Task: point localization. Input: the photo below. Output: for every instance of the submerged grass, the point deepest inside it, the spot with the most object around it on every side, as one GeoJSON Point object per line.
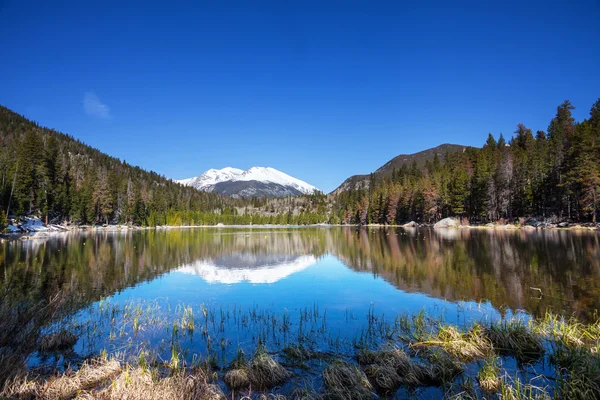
{"type": "Point", "coordinates": [390, 357]}
{"type": "Point", "coordinates": [515, 338]}
{"type": "Point", "coordinates": [60, 340]}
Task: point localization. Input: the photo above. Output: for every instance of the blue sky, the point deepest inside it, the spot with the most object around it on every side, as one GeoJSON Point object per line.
{"type": "Point", "coordinates": [320, 90]}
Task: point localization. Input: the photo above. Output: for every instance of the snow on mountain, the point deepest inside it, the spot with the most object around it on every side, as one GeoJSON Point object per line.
{"type": "Point", "coordinates": [255, 181]}
{"type": "Point", "coordinates": [213, 271]}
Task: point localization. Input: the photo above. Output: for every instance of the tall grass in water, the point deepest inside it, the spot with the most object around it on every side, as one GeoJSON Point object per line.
{"type": "Point", "coordinates": [488, 376]}
{"type": "Point", "coordinates": [21, 327]}
{"type": "Point", "coordinates": [385, 357]}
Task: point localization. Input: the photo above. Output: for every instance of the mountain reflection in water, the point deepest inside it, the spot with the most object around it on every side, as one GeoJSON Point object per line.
{"type": "Point", "coordinates": [249, 268]}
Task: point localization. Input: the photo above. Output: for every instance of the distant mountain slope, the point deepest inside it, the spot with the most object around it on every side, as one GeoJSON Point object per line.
{"type": "Point", "coordinates": [256, 181]}
{"type": "Point", "coordinates": [403, 159]}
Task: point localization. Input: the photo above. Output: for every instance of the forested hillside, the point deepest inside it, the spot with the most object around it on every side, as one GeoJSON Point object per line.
{"type": "Point", "coordinates": [56, 177]}
{"type": "Point", "coordinates": [415, 160]}
{"type": "Point", "coordinates": [53, 174]}
{"type": "Point", "coordinates": [542, 174]}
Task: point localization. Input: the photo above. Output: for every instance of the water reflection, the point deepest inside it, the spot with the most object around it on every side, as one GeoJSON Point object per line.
{"type": "Point", "coordinates": [249, 268]}
{"type": "Point", "coordinates": [481, 265]}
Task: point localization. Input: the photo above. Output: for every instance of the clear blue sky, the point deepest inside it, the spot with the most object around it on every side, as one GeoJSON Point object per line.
{"type": "Point", "coordinates": [320, 90]}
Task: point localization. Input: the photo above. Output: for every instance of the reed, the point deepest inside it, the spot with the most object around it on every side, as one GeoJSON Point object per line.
{"type": "Point", "coordinates": [488, 376]}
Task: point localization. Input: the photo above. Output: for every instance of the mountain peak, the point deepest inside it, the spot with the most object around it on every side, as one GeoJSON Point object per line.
{"type": "Point", "coordinates": [255, 181]}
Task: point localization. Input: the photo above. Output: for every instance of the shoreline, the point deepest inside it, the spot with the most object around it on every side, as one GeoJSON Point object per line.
{"type": "Point", "coordinates": [42, 232]}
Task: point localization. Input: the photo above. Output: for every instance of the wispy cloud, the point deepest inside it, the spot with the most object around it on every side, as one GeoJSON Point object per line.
{"type": "Point", "coordinates": [94, 107]}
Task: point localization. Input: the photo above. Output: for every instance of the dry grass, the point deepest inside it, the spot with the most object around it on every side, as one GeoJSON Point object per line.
{"type": "Point", "coordinates": [391, 368]}
{"type": "Point", "coordinates": [91, 374]}
{"type": "Point", "coordinates": [466, 346]}
{"type": "Point", "coordinates": [384, 378]}
{"type": "Point", "coordinates": [106, 380]}
{"type": "Point", "coordinates": [237, 379]}
{"type": "Point", "coordinates": [138, 383]}
{"type": "Point", "coordinates": [265, 372]}
{"type": "Point", "coordinates": [345, 381]}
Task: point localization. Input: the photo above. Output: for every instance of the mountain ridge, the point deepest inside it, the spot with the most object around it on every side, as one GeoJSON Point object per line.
{"type": "Point", "coordinates": [386, 170]}
{"type": "Point", "coordinates": [255, 181]}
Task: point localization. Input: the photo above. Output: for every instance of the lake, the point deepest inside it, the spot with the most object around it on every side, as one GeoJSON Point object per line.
{"type": "Point", "coordinates": [208, 293]}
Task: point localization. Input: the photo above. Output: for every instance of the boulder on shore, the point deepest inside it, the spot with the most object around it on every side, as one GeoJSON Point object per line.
{"type": "Point", "coordinates": [447, 223]}
{"type": "Point", "coordinates": [411, 224]}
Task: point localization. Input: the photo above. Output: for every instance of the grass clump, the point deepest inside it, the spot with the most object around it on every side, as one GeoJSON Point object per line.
{"type": "Point", "coordinates": [517, 390]}
{"type": "Point", "coordinates": [137, 383]}
{"type": "Point", "coordinates": [567, 332]}
{"type": "Point", "coordinates": [440, 369]}
{"type": "Point", "coordinates": [466, 346]}
{"type": "Point", "coordinates": [345, 381]}
{"type": "Point", "coordinates": [265, 372]}
{"type": "Point", "coordinates": [395, 357]}
{"type": "Point", "coordinates": [384, 378]}
{"type": "Point", "coordinates": [237, 379]}
{"type": "Point", "coordinates": [516, 339]}
{"type": "Point", "coordinates": [390, 368]}
{"type": "Point", "coordinates": [488, 376]}
{"type": "Point", "coordinates": [579, 372]}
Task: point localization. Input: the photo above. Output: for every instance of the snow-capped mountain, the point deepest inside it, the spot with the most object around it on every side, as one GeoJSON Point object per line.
{"type": "Point", "coordinates": [255, 181]}
{"type": "Point", "coordinates": [249, 268]}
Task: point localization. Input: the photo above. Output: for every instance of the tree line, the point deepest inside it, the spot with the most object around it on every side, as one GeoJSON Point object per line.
{"type": "Point", "coordinates": [553, 174]}
{"type": "Point", "coordinates": [543, 175]}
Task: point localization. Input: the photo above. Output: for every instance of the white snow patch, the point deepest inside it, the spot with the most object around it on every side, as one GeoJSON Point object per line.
{"type": "Point", "coordinates": [262, 174]}
{"type": "Point", "coordinates": [212, 273]}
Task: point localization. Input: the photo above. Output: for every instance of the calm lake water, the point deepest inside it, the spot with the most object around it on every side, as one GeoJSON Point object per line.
{"type": "Point", "coordinates": [214, 291]}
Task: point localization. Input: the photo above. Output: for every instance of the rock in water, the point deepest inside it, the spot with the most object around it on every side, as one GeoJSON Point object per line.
{"type": "Point", "coordinates": [447, 223]}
